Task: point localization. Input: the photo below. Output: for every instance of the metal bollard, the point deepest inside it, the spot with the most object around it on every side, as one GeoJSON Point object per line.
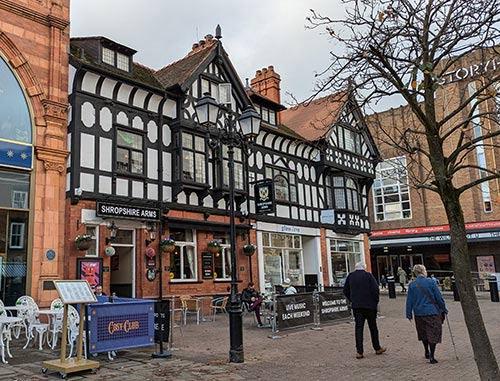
{"type": "Point", "coordinates": [494, 289]}
{"type": "Point", "coordinates": [456, 295]}
{"type": "Point", "coordinates": [391, 286]}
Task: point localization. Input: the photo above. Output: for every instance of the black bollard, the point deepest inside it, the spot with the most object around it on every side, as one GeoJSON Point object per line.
{"type": "Point", "coordinates": [391, 286]}
{"type": "Point", "coordinates": [494, 289]}
{"type": "Point", "coordinates": [456, 295]}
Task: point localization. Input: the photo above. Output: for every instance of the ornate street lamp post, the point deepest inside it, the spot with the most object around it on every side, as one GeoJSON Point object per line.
{"type": "Point", "coordinates": [236, 132]}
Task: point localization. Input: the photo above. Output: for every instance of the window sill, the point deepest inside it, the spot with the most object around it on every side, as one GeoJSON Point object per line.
{"type": "Point", "coordinates": [226, 281]}
{"type": "Point", "coordinates": [185, 281]}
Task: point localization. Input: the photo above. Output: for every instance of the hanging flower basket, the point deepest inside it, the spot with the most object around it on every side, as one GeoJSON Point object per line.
{"type": "Point", "coordinates": [83, 242]}
{"type": "Point", "coordinates": [249, 250]}
{"type": "Point", "coordinates": [214, 247]}
{"type": "Point", "coordinates": [167, 245]}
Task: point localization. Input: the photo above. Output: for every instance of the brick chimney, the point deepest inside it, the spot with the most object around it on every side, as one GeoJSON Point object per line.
{"type": "Point", "coordinates": [267, 83]}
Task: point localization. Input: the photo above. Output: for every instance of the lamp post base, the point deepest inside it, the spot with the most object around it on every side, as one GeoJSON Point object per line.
{"type": "Point", "coordinates": [236, 353]}
{"type": "Point", "coordinates": [236, 356]}
{"type": "Point", "coordinates": [161, 355]}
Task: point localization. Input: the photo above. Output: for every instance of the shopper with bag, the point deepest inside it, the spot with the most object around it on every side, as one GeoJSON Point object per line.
{"type": "Point", "coordinates": [426, 303]}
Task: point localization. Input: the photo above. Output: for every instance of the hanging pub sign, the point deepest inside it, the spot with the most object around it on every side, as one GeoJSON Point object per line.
{"type": "Point", "coordinates": [207, 265]}
{"type": "Point", "coordinates": [106, 209]}
{"type": "Point", "coordinates": [264, 196]}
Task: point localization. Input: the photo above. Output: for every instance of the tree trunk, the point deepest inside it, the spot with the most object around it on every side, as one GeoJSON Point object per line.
{"type": "Point", "coordinates": [483, 352]}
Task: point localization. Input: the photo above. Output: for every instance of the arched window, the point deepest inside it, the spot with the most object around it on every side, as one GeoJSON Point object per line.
{"type": "Point", "coordinates": [15, 122]}
{"type": "Point", "coordinates": [281, 188]}
{"type": "Point", "coordinates": [352, 194]}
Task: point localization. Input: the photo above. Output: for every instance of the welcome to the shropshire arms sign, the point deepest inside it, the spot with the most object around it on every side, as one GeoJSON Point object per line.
{"type": "Point", "coordinates": [470, 71]}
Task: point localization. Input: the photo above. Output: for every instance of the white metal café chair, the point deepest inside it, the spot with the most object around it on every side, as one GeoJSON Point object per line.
{"type": "Point", "coordinates": [57, 321]}
{"type": "Point", "coordinates": [5, 336]}
{"type": "Point", "coordinates": [73, 331]}
{"type": "Point", "coordinates": [33, 325]}
{"type": "Point", "coordinates": [22, 302]}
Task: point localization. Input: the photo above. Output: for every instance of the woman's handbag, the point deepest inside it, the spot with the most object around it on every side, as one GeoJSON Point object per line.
{"type": "Point", "coordinates": [431, 299]}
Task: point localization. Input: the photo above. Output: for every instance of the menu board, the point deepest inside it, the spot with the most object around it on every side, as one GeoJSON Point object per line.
{"type": "Point", "coordinates": [74, 291]}
{"type": "Point", "coordinates": [207, 264]}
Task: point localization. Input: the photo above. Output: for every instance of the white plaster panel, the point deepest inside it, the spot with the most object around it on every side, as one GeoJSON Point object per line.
{"type": "Point", "coordinates": [154, 103]}
{"type": "Point", "coordinates": [307, 192]}
{"type": "Point", "coordinates": [291, 165]}
{"type": "Point", "coordinates": [210, 174]}
{"type": "Point", "coordinates": [268, 159]}
{"type": "Point", "coordinates": [181, 198]}
{"type": "Point", "coordinates": [152, 131]}
{"type": "Point", "coordinates": [88, 114]}
{"type": "Point", "coordinates": [306, 172]}
{"type": "Point", "coordinates": [221, 204]}
{"type": "Point", "coordinates": [122, 118]}
{"type": "Point", "coordinates": [138, 189]}
{"type": "Point", "coordinates": [87, 182]}
{"type": "Point", "coordinates": [302, 213]}
{"type": "Point", "coordinates": [258, 159]}
{"type": "Point", "coordinates": [152, 163]}
{"type": "Point", "coordinates": [70, 114]}
{"type": "Point", "coordinates": [107, 88]}
{"type": "Point", "coordinates": [105, 184]}
{"type": "Point", "coordinates": [153, 191]}
{"type": "Point", "coordinates": [122, 187]}
{"type": "Point", "coordinates": [170, 108]}
{"type": "Point", "coordinates": [68, 181]}
{"type": "Point", "coordinates": [299, 170]}
{"type": "Point", "coordinates": [124, 93]}
{"type": "Point", "coordinates": [282, 211]}
{"type": "Point", "coordinates": [208, 202]}
{"type": "Point", "coordinates": [167, 166]}
{"type": "Point", "coordinates": [312, 172]}
{"type": "Point", "coordinates": [251, 160]}
{"type": "Point", "coordinates": [309, 214]}
{"type": "Point", "coordinates": [315, 216]}
{"type": "Point", "coordinates": [194, 88]}
{"type": "Point", "coordinates": [314, 191]}
{"type": "Point", "coordinates": [269, 140]}
{"type": "Point", "coordinates": [167, 135]}
{"type": "Point", "coordinates": [193, 199]}
{"type": "Point", "coordinates": [68, 147]}
{"type": "Point", "coordinates": [167, 193]}
{"type": "Point", "coordinates": [301, 194]}
{"type": "Point", "coordinates": [105, 154]}
{"type": "Point", "coordinates": [137, 123]}
{"type": "Point", "coordinates": [295, 212]}
{"type": "Point", "coordinates": [87, 150]}
{"type": "Point", "coordinates": [139, 98]}
{"type": "Point", "coordinates": [252, 207]}
{"type": "Point", "coordinates": [71, 78]}
{"type": "Point", "coordinates": [105, 119]}
{"type": "Point", "coordinates": [89, 82]}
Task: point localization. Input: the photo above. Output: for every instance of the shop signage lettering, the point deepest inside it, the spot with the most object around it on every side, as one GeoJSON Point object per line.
{"type": "Point", "coordinates": [434, 229]}
{"type": "Point", "coordinates": [125, 326]}
{"type": "Point", "coordinates": [264, 196]}
{"type": "Point", "coordinates": [469, 71]}
{"type": "Point", "coordinates": [445, 238]}
{"type": "Point", "coordinates": [124, 211]}
{"type": "Point", "coordinates": [290, 229]}
{"type": "Point", "coordinates": [294, 310]}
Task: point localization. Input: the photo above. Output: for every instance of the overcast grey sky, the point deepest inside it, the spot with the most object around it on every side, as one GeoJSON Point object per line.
{"type": "Point", "coordinates": [255, 33]}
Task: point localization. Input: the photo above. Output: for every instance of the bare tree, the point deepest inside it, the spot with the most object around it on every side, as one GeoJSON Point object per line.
{"type": "Point", "coordinates": [413, 49]}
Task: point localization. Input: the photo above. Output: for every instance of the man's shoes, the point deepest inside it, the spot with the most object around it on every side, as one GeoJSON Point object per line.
{"type": "Point", "coordinates": [427, 355]}
{"type": "Point", "coordinates": [260, 325]}
{"type": "Point", "coordinates": [433, 360]}
{"type": "Point", "coordinates": [380, 351]}
{"type": "Point", "coordinates": [359, 356]}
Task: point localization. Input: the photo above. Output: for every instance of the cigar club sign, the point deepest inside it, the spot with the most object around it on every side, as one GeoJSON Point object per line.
{"type": "Point", "coordinates": [106, 209]}
{"type": "Point", "coordinates": [470, 71]}
{"type": "Point", "coordinates": [123, 326]}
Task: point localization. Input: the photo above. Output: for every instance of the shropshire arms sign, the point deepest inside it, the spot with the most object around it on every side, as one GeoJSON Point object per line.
{"type": "Point", "coordinates": [106, 209]}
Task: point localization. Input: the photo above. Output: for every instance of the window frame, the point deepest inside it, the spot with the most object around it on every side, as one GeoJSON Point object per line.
{"type": "Point", "coordinates": [357, 141]}
{"type": "Point", "coordinates": [224, 169]}
{"type": "Point", "coordinates": [182, 245]}
{"type": "Point", "coordinates": [195, 152]}
{"type": "Point", "coordinates": [21, 236]}
{"type": "Point", "coordinates": [95, 238]}
{"type": "Point", "coordinates": [287, 174]}
{"type": "Point", "coordinates": [115, 54]}
{"type": "Point", "coordinates": [25, 199]}
{"type": "Point", "coordinates": [139, 133]}
{"type": "Point", "coordinates": [225, 250]}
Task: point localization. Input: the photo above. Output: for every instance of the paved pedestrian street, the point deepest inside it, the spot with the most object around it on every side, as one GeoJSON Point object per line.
{"type": "Point", "coordinates": [297, 355]}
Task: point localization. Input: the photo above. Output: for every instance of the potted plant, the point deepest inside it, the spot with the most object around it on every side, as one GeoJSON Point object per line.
{"type": "Point", "coordinates": [167, 245]}
{"type": "Point", "coordinates": [249, 249]}
{"type": "Point", "coordinates": [214, 246]}
{"type": "Point", "coordinates": [83, 242]}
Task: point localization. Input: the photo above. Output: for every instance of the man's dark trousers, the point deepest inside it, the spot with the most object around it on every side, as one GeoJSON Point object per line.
{"type": "Point", "coordinates": [360, 315]}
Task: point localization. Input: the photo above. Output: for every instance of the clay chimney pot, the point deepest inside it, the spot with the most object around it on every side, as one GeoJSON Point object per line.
{"type": "Point", "coordinates": [195, 46]}
{"type": "Point", "coordinates": [209, 37]}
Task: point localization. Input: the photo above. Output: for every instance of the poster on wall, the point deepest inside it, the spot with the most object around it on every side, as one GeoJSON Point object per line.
{"type": "Point", "coordinates": [90, 269]}
{"type": "Point", "coordinates": [485, 265]}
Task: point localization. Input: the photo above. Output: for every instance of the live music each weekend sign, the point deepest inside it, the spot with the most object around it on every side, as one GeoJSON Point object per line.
{"type": "Point", "coordinates": [106, 209]}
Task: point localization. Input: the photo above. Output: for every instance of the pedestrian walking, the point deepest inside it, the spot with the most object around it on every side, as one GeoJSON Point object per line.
{"type": "Point", "coordinates": [426, 303]}
{"type": "Point", "coordinates": [402, 279]}
{"type": "Point", "coordinates": [362, 290]}
{"type": "Point", "coordinates": [383, 281]}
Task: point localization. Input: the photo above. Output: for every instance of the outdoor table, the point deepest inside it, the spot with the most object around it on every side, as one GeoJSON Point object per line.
{"type": "Point", "coordinates": [10, 309]}
{"type": "Point", "coordinates": [51, 317]}
{"type": "Point", "coordinates": [201, 302]}
{"type": "Point", "coordinates": [6, 320]}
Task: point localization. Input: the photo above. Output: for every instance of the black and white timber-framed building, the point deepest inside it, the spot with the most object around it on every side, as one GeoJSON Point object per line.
{"type": "Point", "coordinates": [135, 143]}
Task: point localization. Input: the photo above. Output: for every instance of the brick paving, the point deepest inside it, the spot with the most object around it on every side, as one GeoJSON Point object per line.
{"type": "Point", "coordinates": [315, 355]}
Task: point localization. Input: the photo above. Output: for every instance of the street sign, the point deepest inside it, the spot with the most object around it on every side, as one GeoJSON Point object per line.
{"type": "Point", "coordinates": [264, 196]}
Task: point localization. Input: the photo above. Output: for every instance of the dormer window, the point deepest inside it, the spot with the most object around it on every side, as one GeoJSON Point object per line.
{"type": "Point", "coordinates": [221, 92]}
{"type": "Point", "coordinates": [267, 115]}
{"type": "Point", "coordinates": [119, 60]}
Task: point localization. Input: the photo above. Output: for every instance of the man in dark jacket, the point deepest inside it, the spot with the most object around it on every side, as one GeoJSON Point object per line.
{"type": "Point", "coordinates": [361, 289]}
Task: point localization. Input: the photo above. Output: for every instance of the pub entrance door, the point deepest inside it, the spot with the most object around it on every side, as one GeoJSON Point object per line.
{"type": "Point", "coordinates": [122, 266]}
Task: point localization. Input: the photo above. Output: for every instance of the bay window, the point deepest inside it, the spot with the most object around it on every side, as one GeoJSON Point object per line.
{"type": "Point", "coordinates": [238, 168]}
{"type": "Point", "coordinates": [183, 261]}
{"type": "Point", "coordinates": [129, 152]}
{"type": "Point", "coordinates": [343, 193]}
{"type": "Point", "coordinates": [193, 158]}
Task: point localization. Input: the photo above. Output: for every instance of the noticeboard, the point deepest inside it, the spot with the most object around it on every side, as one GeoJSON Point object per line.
{"type": "Point", "coordinates": [162, 320]}
{"type": "Point", "coordinates": [207, 265]}
{"type": "Point", "coordinates": [74, 291]}
{"type": "Point", "coordinates": [264, 196]}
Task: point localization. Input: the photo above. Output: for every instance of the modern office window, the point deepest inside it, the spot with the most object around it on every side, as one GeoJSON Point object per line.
{"type": "Point", "coordinates": [122, 62]}
{"type": "Point", "coordinates": [391, 192]}
{"type": "Point", "coordinates": [16, 240]}
{"type": "Point", "coordinates": [344, 254]}
{"type": "Point", "coordinates": [285, 184]}
{"type": "Point", "coordinates": [108, 56]}
{"type": "Point", "coordinates": [183, 261]}
{"type": "Point", "coordinates": [193, 158]}
{"type": "Point", "coordinates": [129, 152]}
{"type": "Point", "coordinates": [238, 168]}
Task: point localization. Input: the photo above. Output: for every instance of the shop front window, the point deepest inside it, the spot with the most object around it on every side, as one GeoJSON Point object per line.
{"type": "Point", "coordinates": [344, 255]}
{"type": "Point", "coordinates": [283, 258]}
{"type": "Point", "coordinates": [183, 261]}
{"type": "Point", "coordinates": [222, 260]}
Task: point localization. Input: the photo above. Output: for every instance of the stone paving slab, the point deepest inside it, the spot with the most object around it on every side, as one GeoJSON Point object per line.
{"type": "Point", "coordinates": [299, 355]}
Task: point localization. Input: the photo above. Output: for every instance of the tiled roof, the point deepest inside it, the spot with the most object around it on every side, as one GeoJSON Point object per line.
{"type": "Point", "coordinates": [313, 120]}
{"type": "Point", "coordinates": [179, 72]}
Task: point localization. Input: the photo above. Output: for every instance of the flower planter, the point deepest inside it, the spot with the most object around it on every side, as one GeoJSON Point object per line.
{"type": "Point", "coordinates": [167, 248]}
{"type": "Point", "coordinates": [84, 245]}
{"type": "Point", "coordinates": [249, 250]}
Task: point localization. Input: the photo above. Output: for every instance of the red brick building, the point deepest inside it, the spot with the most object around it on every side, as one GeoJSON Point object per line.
{"type": "Point", "coordinates": [410, 225]}
{"type": "Point", "coordinates": [34, 39]}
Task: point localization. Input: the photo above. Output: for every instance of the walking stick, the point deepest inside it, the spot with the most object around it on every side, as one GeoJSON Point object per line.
{"type": "Point", "coordinates": [451, 335]}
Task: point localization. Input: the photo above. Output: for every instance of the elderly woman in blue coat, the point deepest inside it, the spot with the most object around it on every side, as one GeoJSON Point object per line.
{"type": "Point", "coordinates": [425, 302]}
